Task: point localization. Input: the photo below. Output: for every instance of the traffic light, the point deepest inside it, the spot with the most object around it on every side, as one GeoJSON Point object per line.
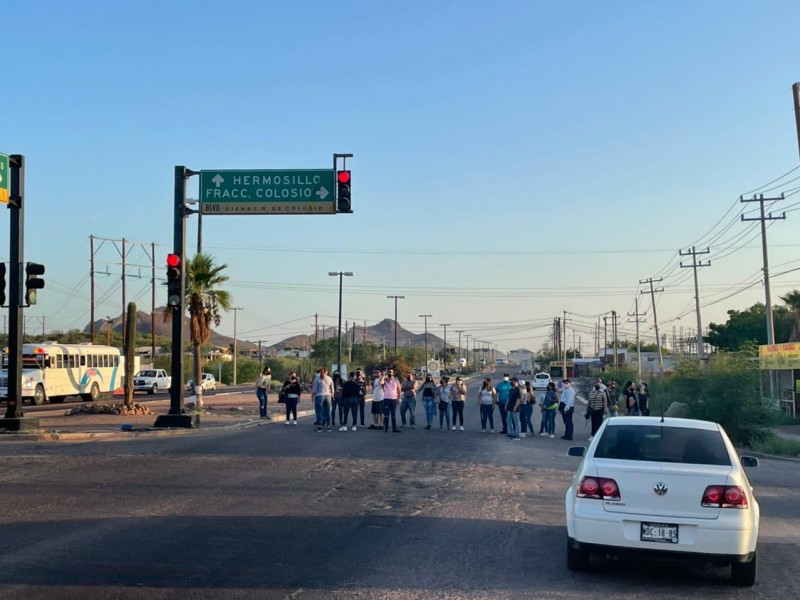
{"type": "Point", "coordinates": [2, 284]}
{"type": "Point", "coordinates": [32, 281]}
{"type": "Point", "coordinates": [343, 183]}
{"type": "Point", "coordinates": [174, 280]}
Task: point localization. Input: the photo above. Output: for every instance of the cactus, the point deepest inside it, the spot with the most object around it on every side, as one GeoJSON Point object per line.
{"type": "Point", "coordinates": [129, 349]}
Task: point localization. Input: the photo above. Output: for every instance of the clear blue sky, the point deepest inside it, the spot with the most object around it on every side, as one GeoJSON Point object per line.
{"type": "Point", "coordinates": [513, 159]}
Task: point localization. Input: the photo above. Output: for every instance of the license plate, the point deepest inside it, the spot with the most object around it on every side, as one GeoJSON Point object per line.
{"type": "Point", "coordinates": [662, 533]}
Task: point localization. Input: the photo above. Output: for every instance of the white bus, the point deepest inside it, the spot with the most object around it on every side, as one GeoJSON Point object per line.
{"type": "Point", "coordinates": [52, 371]}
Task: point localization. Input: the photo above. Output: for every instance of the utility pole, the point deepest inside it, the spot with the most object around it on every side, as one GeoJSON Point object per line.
{"type": "Point", "coordinates": [796, 100]}
{"type": "Point", "coordinates": [340, 275]}
{"type": "Point", "coordinates": [444, 354]}
{"type": "Point", "coordinates": [396, 298]}
{"type": "Point", "coordinates": [653, 291]}
{"type": "Point", "coordinates": [459, 332]}
{"type": "Point", "coordinates": [636, 314]}
{"type": "Point", "coordinates": [768, 304]}
{"type": "Point", "coordinates": [564, 369]}
{"type": "Point", "coordinates": [426, 340]}
{"type": "Point", "coordinates": [614, 334]}
{"type": "Point", "coordinates": [467, 336]}
{"type": "Point", "coordinates": [605, 340]}
{"type": "Point", "coordinates": [235, 347]}
{"type": "Point", "coordinates": [316, 328]}
{"type": "Point", "coordinates": [701, 353]}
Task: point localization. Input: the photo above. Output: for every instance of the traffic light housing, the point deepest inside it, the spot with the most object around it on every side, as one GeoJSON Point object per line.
{"type": "Point", "coordinates": [343, 188]}
{"type": "Point", "coordinates": [32, 282]}
{"type": "Point", "coordinates": [2, 284]}
{"type": "Point", "coordinates": [174, 280]}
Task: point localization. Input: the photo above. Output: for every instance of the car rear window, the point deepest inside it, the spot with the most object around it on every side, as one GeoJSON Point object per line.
{"type": "Point", "coordinates": [654, 443]}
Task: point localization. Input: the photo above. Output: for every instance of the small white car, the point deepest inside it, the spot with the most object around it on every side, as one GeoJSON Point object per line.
{"type": "Point", "coordinates": [540, 381]}
{"type": "Point", "coordinates": [208, 382]}
{"type": "Point", "coordinates": [673, 488]}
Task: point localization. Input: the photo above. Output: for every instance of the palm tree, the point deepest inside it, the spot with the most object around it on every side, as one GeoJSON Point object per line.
{"type": "Point", "coordinates": [792, 300]}
{"type": "Point", "coordinates": [203, 302]}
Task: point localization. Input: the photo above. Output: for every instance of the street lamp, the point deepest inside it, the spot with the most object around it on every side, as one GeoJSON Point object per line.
{"type": "Point", "coordinates": [396, 298]}
{"type": "Point", "coordinates": [340, 275]}
{"type": "Point", "coordinates": [426, 340]}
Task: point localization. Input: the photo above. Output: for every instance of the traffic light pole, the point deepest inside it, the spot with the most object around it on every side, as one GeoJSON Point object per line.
{"type": "Point", "coordinates": [14, 420]}
{"type": "Point", "coordinates": [175, 417]}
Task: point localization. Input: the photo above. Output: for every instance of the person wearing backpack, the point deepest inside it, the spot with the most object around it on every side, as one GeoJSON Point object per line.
{"type": "Point", "coordinates": [428, 391]}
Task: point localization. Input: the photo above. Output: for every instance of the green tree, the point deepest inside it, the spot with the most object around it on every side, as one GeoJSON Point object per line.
{"type": "Point", "coordinates": [792, 300]}
{"type": "Point", "coordinates": [750, 326]}
{"type": "Point", "coordinates": [204, 300]}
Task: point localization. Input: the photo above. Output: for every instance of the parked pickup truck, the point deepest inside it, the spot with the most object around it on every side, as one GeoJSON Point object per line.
{"type": "Point", "coordinates": [151, 380]}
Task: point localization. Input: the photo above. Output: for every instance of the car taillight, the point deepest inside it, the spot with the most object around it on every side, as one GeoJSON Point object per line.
{"type": "Point", "coordinates": [724, 496]}
{"type": "Point", "coordinates": [598, 488]}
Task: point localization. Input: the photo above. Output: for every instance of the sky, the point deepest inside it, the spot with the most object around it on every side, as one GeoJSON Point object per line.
{"type": "Point", "coordinates": [512, 159]}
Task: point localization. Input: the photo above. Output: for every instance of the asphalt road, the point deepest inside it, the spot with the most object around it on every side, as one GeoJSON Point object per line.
{"type": "Point", "coordinates": [284, 512]}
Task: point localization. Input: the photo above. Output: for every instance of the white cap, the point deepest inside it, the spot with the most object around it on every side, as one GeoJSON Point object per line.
{"type": "Point", "coordinates": [522, 382]}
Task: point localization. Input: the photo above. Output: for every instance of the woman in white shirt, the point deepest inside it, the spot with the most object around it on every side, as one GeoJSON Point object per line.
{"type": "Point", "coordinates": [443, 401]}
{"type": "Point", "coordinates": [487, 398]}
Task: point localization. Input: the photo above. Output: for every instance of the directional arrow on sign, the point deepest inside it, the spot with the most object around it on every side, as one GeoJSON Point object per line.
{"type": "Point", "coordinates": [322, 193]}
{"type": "Point", "coordinates": [218, 180]}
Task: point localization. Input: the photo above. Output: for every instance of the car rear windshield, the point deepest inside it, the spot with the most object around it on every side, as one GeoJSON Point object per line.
{"type": "Point", "coordinates": [655, 443]}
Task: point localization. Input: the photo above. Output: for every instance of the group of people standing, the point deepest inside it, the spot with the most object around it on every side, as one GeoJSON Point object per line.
{"type": "Point", "coordinates": [604, 400]}
{"type": "Point", "coordinates": [514, 398]}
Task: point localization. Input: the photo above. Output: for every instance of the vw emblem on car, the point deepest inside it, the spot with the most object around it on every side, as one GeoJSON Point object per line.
{"type": "Point", "coordinates": [660, 488]}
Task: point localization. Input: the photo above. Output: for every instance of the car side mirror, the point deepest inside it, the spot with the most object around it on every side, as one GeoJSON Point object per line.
{"type": "Point", "coordinates": [749, 461]}
{"type": "Point", "coordinates": [577, 451]}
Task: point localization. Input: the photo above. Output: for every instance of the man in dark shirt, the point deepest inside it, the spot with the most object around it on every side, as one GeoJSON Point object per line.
{"type": "Point", "coordinates": [362, 394]}
{"type": "Point", "coordinates": [350, 392]}
{"type": "Point", "coordinates": [512, 409]}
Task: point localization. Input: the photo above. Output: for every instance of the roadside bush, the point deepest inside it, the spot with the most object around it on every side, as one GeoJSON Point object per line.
{"type": "Point", "coordinates": [770, 443]}
{"type": "Point", "coordinates": [726, 390]}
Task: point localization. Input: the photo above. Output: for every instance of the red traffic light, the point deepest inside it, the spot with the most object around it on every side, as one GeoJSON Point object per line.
{"type": "Point", "coordinates": [173, 260]}
{"type": "Point", "coordinates": [344, 176]}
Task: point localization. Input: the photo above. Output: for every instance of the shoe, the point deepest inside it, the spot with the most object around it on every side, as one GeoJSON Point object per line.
{"type": "Point", "coordinates": [461, 428]}
{"type": "Point", "coordinates": [343, 428]}
{"type": "Point", "coordinates": [483, 431]}
{"type": "Point", "coordinates": [371, 427]}
{"type": "Point", "coordinates": [503, 433]}
{"type": "Point", "coordinates": [543, 434]}
{"type": "Point", "coordinates": [287, 422]}
{"type": "Point", "coordinates": [396, 431]}
{"type": "Point", "coordinates": [316, 423]}
{"type": "Point", "coordinates": [427, 427]}
{"type": "Point", "coordinates": [514, 439]}
{"type": "Point", "coordinates": [294, 422]}
{"type": "Point", "coordinates": [454, 427]}
{"type": "Point", "coordinates": [319, 429]}
{"type": "Point", "coordinates": [523, 435]}
{"type": "Point", "coordinates": [440, 427]}
{"type": "Point", "coordinates": [329, 428]}
{"type": "Point", "coordinates": [353, 428]}
{"type": "Point", "coordinates": [491, 431]}
{"type": "Point", "coordinates": [412, 427]}
{"type": "Point", "coordinates": [552, 436]}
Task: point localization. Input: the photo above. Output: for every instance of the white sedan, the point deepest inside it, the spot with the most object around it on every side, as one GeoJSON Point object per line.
{"type": "Point", "coordinates": [208, 382]}
{"type": "Point", "coordinates": [540, 381]}
{"type": "Point", "coordinates": [667, 487]}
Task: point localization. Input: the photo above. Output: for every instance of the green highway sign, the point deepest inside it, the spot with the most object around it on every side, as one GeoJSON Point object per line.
{"type": "Point", "coordinates": [267, 192]}
{"type": "Point", "coordinates": [4, 178]}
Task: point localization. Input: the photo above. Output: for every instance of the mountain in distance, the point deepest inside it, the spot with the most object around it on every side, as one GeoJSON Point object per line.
{"type": "Point", "coordinates": [380, 333]}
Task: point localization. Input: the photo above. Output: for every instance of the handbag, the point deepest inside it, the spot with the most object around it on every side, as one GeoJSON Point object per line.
{"type": "Point", "coordinates": [442, 405]}
{"type": "Point", "coordinates": [561, 407]}
{"type": "Point", "coordinates": [282, 398]}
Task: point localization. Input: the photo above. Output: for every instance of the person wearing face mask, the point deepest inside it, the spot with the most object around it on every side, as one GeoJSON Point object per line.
{"type": "Point", "coordinates": [503, 388]}
{"type": "Point", "coordinates": [458, 397]}
{"type": "Point", "coordinates": [567, 409]}
{"type": "Point", "coordinates": [598, 404]}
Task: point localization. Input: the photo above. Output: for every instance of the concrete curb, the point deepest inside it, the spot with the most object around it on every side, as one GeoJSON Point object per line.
{"type": "Point", "coordinates": [147, 432]}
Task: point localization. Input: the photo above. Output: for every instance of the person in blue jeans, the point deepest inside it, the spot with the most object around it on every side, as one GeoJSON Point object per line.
{"type": "Point", "coordinates": [262, 392]}
{"type": "Point", "coordinates": [512, 409]}
{"type": "Point", "coordinates": [409, 402]}
{"type": "Point", "coordinates": [443, 401]}
{"type": "Point", "coordinates": [429, 404]}
{"type": "Point", "coordinates": [549, 406]}
{"type": "Point", "coordinates": [526, 413]}
{"type": "Point", "coordinates": [503, 388]}
{"type": "Point", "coordinates": [322, 391]}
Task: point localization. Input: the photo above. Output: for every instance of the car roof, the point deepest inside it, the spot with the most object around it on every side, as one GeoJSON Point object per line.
{"type": "Point", "coordinates": [667, 422]}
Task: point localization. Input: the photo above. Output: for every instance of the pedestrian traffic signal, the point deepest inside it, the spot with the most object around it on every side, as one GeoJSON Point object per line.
{"type": "Point", "coordinates": [32, 282]}
{"type": "Point", "coordinates": [343, 183]}
{"type": "Point", "coordinates": [2, 284]}
{"type": "Point", "coordinates": [174, 280]}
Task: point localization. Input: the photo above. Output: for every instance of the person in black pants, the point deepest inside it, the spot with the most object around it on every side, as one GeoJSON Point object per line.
{"type": "Point", "coordinates": [291, 391]}
{"type": "Point", "coordinates": [362, 394]}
